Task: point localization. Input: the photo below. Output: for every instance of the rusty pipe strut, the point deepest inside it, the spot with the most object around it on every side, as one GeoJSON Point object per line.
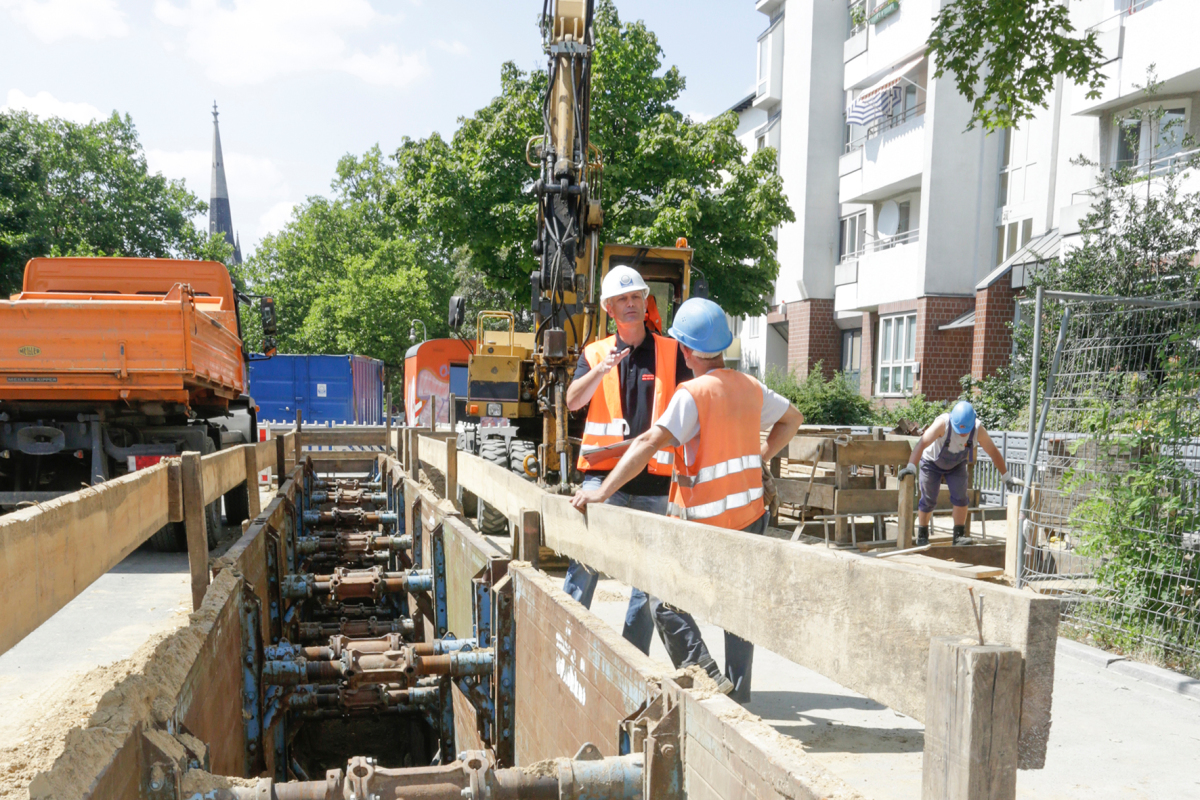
{"type": "Point", "coordinates": [474, 777]}
{"type": "Point", "coordinates": [346, 584]}
{"type": "Point", "coordinates": [456, 664]}
{"type": "Point", "coordinates": [351, 517]}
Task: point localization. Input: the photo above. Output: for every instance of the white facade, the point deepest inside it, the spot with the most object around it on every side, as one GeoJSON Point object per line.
{"type": "Point", "coordinates": [911, 205]}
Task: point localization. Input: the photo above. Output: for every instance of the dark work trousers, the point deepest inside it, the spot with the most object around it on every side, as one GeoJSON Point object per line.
{"type": "Point", "coordinates": [685, 645]}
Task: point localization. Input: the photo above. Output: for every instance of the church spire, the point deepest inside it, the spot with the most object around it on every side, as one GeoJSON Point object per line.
{"type": "Point", "coordinates": [219, 218]}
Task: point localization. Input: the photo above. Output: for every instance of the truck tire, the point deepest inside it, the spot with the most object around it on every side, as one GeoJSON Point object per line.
{"type": "Point", "coordinates": [172, 537]}
{"type": "Point", "coordinates": [522, 449]}
{"type": "Point", "coordinates": [237, 504]}
{"type": "Point", "coordinates": [489, 520]}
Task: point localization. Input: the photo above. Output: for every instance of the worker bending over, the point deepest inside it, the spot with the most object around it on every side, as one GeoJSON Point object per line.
{"type": "Point", "coordinates": [714, 420]}
{"type": "Point", "coordinates": [627, 380]}
{"type": "Point", "coordinates": [943, 452]}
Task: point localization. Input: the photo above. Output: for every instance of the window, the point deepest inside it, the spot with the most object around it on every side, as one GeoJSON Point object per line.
{"type": "Point", "coordinates": [1012, 237]}
{"type": "Point", "coordinates": [735, 325]}
{"type": "Point", "coordinates": [852, 355]}
{"type": "Point", "coordinates": [1017, 171]}
{"type": "Point", "coordinates": [1150, 134]}
{"type": "Point", "coordinates": [760, 143]}
{"type": "Point", "coordinates": [897, 354]}
{"type": "Point", "coordinates": [854, 236]}
{"type": "Point", "coordinates": [751, 327]}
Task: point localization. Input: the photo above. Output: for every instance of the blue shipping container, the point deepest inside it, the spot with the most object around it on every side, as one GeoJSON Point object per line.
{"type": "Point", "coordinates": [338, 389]}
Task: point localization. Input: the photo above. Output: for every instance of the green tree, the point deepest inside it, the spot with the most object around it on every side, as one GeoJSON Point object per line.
{"type": "Point", "coordinates": [822, 401]}
{"type": "Point", "coordinates": [85, 189]}
{"type": "Point", "coordinates": [345, 277]}
{"type": "Point", "coordinates": [664, 175]}
{"type": "Point", "coordinates": [1005, 55]}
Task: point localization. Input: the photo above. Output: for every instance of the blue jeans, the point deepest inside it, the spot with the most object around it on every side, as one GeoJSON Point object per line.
{"type": "Point", "coordinates": [581, 580]}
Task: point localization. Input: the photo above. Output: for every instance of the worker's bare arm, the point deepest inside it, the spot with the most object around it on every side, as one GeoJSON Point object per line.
{"type": "Point", "coordinates": [931, 435]}
{"type": "Point", "coordinates": [580, 392]}
{"type": "Point", "coordinates": [993, 452]}
{"type": "Point", "coordinates": [782, 432]}
{"type": "Point", "coordinates": [634, 461]}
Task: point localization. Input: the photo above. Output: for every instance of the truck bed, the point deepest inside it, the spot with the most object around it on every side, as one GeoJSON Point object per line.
{"type": "Point", "coordinates": [108, 347]}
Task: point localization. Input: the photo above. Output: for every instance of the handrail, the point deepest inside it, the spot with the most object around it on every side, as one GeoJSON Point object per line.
{"type": "Point", "coordinates": [1134, 6]}
{"type": "Point", "coordinates": [1154, 168]}
{"type": "Point", "coordinates": [875, 245]}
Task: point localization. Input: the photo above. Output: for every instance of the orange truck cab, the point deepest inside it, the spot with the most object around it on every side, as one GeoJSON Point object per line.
{"type": "Point", "coordinates": [434, 370]}
{"type": "Point", "coordinates": [109, 364]}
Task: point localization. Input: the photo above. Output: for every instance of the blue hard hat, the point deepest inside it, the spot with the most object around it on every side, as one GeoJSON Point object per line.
{"type": "Point", "coordinates": [962, 417]}
{"type": "Point", "coordinates": [700, 324]}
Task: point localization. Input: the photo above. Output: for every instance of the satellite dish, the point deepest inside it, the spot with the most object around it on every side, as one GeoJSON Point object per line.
{"type": "Point", "coordinates": [888, 221]}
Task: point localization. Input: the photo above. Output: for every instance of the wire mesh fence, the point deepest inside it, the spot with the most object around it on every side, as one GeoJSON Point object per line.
{"type": "Point", "coordinates": [1113, 524]}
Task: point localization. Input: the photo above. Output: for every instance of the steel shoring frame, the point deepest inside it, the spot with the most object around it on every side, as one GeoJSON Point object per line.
{"type": "Point", "coordinates": [827, 518]}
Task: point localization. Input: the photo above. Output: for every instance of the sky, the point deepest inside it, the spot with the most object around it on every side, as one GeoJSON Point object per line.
{"type": "Point", "coordinates": [300, 83]}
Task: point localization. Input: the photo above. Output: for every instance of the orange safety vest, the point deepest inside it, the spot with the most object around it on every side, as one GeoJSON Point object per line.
{"type": "Point", "coordinates": [605, 424]}
{"type": "Point", "coordinates": [723, 484]}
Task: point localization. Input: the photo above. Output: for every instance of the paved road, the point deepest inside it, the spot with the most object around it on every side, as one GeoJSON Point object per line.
{"type": "Point", "coordinates": [1112, 736]}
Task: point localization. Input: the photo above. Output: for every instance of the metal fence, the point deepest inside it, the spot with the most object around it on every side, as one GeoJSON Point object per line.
{"type": "Point", "coordinates": [1112, 516]}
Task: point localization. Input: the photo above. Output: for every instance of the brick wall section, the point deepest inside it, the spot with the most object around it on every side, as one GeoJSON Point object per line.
{"type": "Point", "coordinates": [866, 381]}
{"type": "Point", "coordinates": [944, 356]}
{"type": "Point", "coordinates": [994, 308]}
{"type": "Point", "coordinates": [813, 336]}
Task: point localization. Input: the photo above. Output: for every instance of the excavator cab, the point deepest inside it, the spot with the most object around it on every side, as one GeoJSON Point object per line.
{"type": "Point", "coordinates": [666, 270]}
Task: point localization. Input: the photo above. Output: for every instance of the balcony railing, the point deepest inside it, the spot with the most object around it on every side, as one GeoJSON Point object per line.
{"type": "Point", "coordinates": [876, 245]}
{"type": "Point", "coordinates": [885, 124]}
{"type": "Point", "coordinates": [858, 17]}
{"type": "Point", "coordinates": [1144, 171]}
{"type": "Point", "coordinates": [1133, 7]}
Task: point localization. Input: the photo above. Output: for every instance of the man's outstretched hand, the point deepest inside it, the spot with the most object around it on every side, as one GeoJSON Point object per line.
{"type": "Point", "coordinates": [585, 496]}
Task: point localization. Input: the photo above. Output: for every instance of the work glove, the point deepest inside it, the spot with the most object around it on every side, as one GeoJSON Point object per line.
{"type": "Point", "coordinates": [909, 469]}
{"type": "Point", "coordinates": [770, 493]}
{"type": "Point", "coordinates": [1010, 482]}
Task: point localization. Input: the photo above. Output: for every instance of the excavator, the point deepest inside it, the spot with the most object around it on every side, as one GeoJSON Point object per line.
{"type": "Point", "coordinates": [517, 381]}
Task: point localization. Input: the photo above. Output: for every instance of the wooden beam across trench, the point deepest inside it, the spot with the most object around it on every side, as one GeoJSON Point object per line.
{"type": "Point", "coordinates": [863, 622]}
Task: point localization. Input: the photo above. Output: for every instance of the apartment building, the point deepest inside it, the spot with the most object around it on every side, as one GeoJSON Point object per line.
{"type": "Point", "coordinates": [913, 235]}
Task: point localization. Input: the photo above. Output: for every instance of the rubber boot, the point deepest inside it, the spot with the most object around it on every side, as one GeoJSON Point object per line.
{"type": "Point", "coordinates": [960, 533]}
{"type": "Point", "coordinates": [922, 535]}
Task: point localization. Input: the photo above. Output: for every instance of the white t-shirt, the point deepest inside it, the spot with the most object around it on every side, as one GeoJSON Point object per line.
{"type": "Point", "coordinates": [957, 440]}
{"type": "Point", "coordinates": [682, 419]}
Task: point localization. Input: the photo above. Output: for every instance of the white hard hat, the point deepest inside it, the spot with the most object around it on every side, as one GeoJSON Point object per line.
{"type": "Point", "coordinates": [622, 280]}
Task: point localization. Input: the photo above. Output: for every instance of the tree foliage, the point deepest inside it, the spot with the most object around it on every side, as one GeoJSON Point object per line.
{"type": "Point", "coordinates": [822, 401]}
{"type": "Point", "coordinates": [1005, 56]}
{"type": "Point", "coordinates": [84, 189]}
{"type": "Point", "coordinates": [345, 278]}
{"type": "Point", "coordinates": [665, 176]}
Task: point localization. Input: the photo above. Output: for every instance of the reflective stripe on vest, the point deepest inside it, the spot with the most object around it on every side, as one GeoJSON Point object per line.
{"type": "Point", "coordinates": [606, 425]}
{"type": "Point", "coordinates": [723, 485]}
{"type": "Point", "coordinates": [717, 507]}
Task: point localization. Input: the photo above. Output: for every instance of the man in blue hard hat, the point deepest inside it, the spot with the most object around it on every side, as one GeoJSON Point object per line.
{"type": "Point", "coordinates": [714, 421]}
{"type": "Point", "coordinates": [943, 452]}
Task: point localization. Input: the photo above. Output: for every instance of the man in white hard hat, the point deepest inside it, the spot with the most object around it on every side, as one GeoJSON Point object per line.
{"type": "Point", "coordinates": [626, 381]}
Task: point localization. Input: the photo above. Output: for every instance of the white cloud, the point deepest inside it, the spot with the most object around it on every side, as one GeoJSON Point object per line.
{"type": "Point", "coordinates": [255, 183]}
{"type": "Point", "coordinates": [53, 20]}
{"type": "Point", "coordinates": [456, 47]}
{"type": "Point", "coordinates": [44, 104]}
{"type": "Point", "coordinates": [275, 218]}
{"type": "Point", "coordinates": [254, 41]}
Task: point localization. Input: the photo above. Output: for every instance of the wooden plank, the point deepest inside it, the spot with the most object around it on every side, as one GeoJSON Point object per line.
{"type": "Point", "coordinates": [795, 491]}
{"type": "Point", "coordinates": [337, 456]}
{"type": "Point", "coordinates": [810, 448]}
{"type": "Point", "coordinates": [949, 567]}
{"type": "Point", "coordinates": [265, 454]}
{"type": "Point", "coordinates": [174, 490]}
{"type": "Point", "coordinates": [905, 512]}
{"type": "Point", "coordinates": [432, 452]}
{"type": "Point", "coordinates": [879, 648]}
{"type": "Point", "coordinates": [972, 719]}
{"type": "Point", "coordinates": [51, 552]}
{"type": "Point", "coordinates": [527, 545]}
{"type": "Point", "coordinates": [194, 522]}
{"type": "Point", "coordinates": [866, 501]}
{"type": "Point", "coordinates": [250, 452]}
{"type": "Point", "coordinates": [874, 452]}
{"type": "Point", "coordinates": [222, 471]}
{"type": "Point", "coordinates": [501, 489]}
{"type": "Point", "coordinates": [1011, 534]}
{"type": "Point", "coordinates": [450, 473]}
{"type": "Point", "coordinates": [345, 437]}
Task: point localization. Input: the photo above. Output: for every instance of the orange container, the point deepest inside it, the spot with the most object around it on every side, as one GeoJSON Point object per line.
{"type": "Point", "coordinates": [122, 329]}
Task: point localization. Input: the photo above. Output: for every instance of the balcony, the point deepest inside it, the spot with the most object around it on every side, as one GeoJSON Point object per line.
{"type": "Point", "coordinates": [1158, 33]}
{"type": "Point", "coordinates": [886, 272]}
{"type": "Point", "coordinates": [1185, 164]}
{"type": "Point", "coordinates": [888, 159]}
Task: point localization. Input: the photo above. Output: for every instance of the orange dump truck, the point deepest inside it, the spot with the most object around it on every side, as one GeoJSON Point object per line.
{"type": "Point", "coordinates": [109, 364]}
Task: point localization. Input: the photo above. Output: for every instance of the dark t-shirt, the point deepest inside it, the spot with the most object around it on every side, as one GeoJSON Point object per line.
{"type": "Point", "coordinates": [637, 404]}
